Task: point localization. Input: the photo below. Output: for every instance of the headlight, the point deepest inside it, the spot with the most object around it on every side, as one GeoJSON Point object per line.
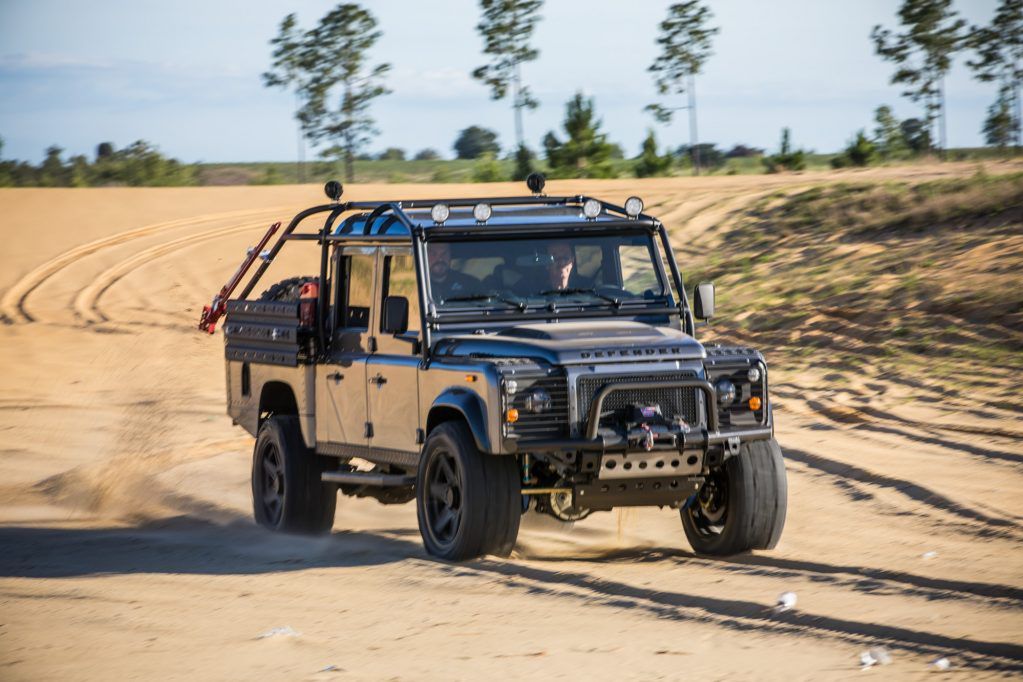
{"type": "Point", "coordinates": [538, 401]}
{"type": "Point", "coordinates": [726, 391]}
{"type": "Point", "coordinates": [753, 374]}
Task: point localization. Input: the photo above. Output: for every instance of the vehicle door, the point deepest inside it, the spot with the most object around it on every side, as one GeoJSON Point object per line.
{"type": "Point", "coordinates": [393, 368]}
{"type": "Point", "coordinates": [341, 386]}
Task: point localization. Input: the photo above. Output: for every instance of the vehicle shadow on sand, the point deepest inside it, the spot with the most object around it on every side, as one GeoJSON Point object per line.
{"type": "Point", "coordinates": [190, 545]}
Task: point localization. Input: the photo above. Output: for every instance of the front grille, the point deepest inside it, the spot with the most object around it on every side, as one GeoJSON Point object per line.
{"type": "Point", "coordinates": [552, 424]}
{"type": "Point", "coordinates": [674, 402]}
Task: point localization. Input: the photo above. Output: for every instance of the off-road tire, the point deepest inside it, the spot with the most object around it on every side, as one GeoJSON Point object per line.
{"type": "Point", "coordinates": [755, 501]}
{"type": "Point", "coordinates": [288, 290]}
{"type": "Point", "coordinates": [287, 492]}
{"type": "Point", "coordinates": [484, 496]}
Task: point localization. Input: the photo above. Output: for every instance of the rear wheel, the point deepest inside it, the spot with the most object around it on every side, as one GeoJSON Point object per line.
{"type": "Point", "coordinates": [742, 505]}
{"type": "Point", "coordinates": [468, 503]}
{"type": "Point", "coordinates": [287, 492]}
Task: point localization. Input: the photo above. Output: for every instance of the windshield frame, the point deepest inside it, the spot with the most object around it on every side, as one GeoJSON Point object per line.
{"type": "Point", "coordinates": [556, 307]}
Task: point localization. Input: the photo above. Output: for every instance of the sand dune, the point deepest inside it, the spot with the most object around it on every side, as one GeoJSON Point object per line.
{"type": "Point", "coordinates": [127, 547]}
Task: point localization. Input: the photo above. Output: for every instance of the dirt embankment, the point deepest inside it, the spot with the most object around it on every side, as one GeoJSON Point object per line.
{"type": "Point", "coordinates": [889, 315]}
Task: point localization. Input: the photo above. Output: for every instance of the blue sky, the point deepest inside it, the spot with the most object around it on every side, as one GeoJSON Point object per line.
{"type": "Point", "coordinates": [185, 75]}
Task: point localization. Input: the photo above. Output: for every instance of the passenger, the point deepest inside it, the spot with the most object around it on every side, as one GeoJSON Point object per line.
{"type": "Point", "coordinates": [445, 282]}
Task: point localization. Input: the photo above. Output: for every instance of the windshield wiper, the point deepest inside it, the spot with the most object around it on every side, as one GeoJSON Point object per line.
{"type": "Point", "coordinates": [616, 302]}
{"type": "Point", "coordinates": [521, 305]}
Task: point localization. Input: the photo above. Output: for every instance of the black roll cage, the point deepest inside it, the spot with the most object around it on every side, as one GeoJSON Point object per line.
{"type": "Point", "coordinates": [418, 235]}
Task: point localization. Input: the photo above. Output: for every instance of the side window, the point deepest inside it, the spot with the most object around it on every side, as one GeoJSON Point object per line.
{"type": "Point", "coordinates": [359, 290]}
{"type": "Point", "coordinates": [400, 280]}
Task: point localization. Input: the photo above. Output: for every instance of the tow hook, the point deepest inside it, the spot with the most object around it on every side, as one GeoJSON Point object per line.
{"type": "Point", "coordinates": [732, 445]}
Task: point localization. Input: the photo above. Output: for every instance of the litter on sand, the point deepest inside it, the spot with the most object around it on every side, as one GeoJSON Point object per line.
{"type": "Point", "coordinates": [786, 602]}
{"type": "Point", "coordinates": [929, 555]}
{"type": "Point", "coordinates": [873, 656]}
{"type": "Point", "coordinates": [942, 663]}
{"type": "Point", "coordinates": [285, 631]}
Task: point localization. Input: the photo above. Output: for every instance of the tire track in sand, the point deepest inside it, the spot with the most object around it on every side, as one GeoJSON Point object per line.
{"type": "Point", "coordinates": [87, 302]}
{"type": "Point", "coordinates": [14, 304]}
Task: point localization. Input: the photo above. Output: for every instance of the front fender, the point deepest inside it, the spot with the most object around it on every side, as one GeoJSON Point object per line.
{"type": "Point", "coordinates": [470, 407]}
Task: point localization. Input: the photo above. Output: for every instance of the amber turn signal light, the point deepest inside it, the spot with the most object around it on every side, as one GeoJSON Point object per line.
{"type": "Point", "coordinates": [511, 416]}
{"type": "Point", "coordinates": [754, 403]}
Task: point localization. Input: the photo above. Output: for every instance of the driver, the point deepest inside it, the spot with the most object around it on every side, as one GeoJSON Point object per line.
{"type": "Point", "coordinates": [445, 282]}
{"type": "Point", "coordinates": [562, 265]}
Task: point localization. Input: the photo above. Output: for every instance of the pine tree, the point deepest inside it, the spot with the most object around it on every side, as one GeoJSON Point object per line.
{"type": "Point", "coordinates": [685, 42]}
{"type": "Point", "coordinates": [652, 164]}
{"type": "Point", "coordinates": [923, 54]}
{"type": "Point", "coordinates": [286, 72]}
{"type": "Point", "coordinates": [999, 50]}
{"type": "Point", "coordinates": [329, 57]}
{"type": "Point", "coordinates": [506, 27]}
{"type": "Point", "coordinates": [586, 153]}
{"type": "Point", "coordinates": [1000, 126]}
{"type": "Point", "coordinates": [888, 137]}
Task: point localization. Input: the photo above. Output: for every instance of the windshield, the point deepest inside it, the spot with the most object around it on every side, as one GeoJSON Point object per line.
{"type": "Point", "coordinates": [564, 271]}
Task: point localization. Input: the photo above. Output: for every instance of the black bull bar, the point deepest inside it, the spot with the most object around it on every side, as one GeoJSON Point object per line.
{"type": "Point", "coordinates": [701, 438]}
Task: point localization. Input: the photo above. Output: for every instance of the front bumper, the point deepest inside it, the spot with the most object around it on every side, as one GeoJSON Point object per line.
{"type": "Point", "coordinates": [693, 438]}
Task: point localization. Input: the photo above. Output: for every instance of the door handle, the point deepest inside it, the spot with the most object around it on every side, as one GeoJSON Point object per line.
{"type": "Point", "coordinates": [336, 377]}
{"type": "Point", "coordinates": [379, 380]}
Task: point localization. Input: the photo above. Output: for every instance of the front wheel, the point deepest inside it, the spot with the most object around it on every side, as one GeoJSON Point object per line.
{"type": "Point", "coordinates": [742, 505]}
{"type": "Point", "coordinates": [468, 503]}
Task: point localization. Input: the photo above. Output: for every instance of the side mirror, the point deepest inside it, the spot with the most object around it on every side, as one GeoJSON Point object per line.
{"type": "Point", "coordinates": [395, 320]}
{"type": "Point", "coordinates": [703, 301]}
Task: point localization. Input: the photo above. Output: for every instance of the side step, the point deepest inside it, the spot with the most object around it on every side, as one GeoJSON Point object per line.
{"type": "Point", "coordinates": [369, 478]}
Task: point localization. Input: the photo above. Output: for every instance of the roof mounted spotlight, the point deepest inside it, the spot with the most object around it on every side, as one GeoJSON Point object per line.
{"type": "Point", "coordinates": [333, 189]}
{"type": "Point", "coordinates": [633, 207]}
{"type": "Point", "coordinates": [439, 213]}
{"type": "Point", "coordinates": [591, 209]}
{"type": "Point", "coordinates": [535, 183]}
{"type": "Point", "coordinates": [481, 212]}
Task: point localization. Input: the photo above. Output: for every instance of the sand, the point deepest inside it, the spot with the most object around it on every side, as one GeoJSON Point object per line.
{"type": "Point", "coordinates": [127, 548]}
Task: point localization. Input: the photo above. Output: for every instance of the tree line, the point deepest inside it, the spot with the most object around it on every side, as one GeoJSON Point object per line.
{"type": "Point", "coordinates": [328, 69]}
{"type": "Point", "coordinates": [137, 165]}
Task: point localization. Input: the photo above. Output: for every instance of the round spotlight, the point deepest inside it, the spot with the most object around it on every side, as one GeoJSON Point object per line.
{"type": "Point", "coordinates": [535, 182]}
{"type": "Point", "coordinates": [633, 206]}
{"type": "Point", "coordinates": [539, 401]}
{"type": "Point", "coordinates": [726, 391]}
{"type": "Point", "coordinates": [440, 213]}
{"type": "Point", "coordinates": [481, 212]}
{"type": "Point", "coordinates": [753, 374]}
{"type": "Point", "coordinates": [333, 189]}
{"type": "Point", "coordinates": [591, 208]}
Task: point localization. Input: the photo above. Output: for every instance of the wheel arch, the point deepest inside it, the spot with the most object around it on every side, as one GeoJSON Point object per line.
{"type": "Point", "coordinates": [460, 404]}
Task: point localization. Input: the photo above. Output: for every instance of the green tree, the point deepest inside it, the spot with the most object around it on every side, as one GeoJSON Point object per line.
{"type": "Point", "coordinates": [917, 135]}
{"type": "Point", "coordinates": [104, 150]}
{"type": "Point", "coordinates": [650, 163]}
{"type": "Point", "coordinates": [1000, 125]}
{"type": "Point", "coordinates": [427, 154]}
{"type": "Point", "coordinates": [999, 49]}
{"type": "Point", "coordinates": [286, 71]}
{"type": "Point", "coordinates": [586, 152]}
{"type": "Point", "coordinates": [475, 141]}
{"type": "Point", "coordinates": [506, 27]}
{"type": "Point", "coordinates": [685, 42]}
{"type": "Point", "coordinates": [888, 139]}
{"type": "Point", "coordinates": [923, 54]}
{"type": "Point", "coordinates": [328, 65]}
{"type": "Point", "coordinates": [860, 150]}
{"type": "Point", "coordinates": [392, 154]}
{"type": "Point", "coordinates": [52, 172]}
{"type": "Point", "coordinates": [787, 158]}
